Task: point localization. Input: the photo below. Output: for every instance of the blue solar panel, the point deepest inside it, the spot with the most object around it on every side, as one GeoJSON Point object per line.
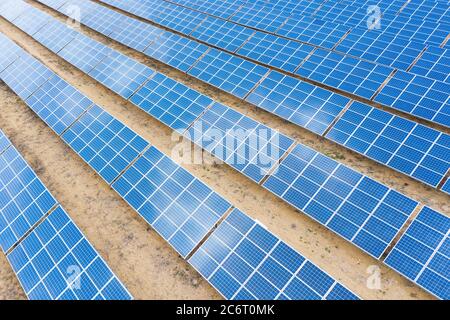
{"type": "Point", "coordinates": [183, 20]}
{"type": "Point", "coordinates": [248, 146]}
{"type": "Point", "coordinates": [299, 102]}
{"type": "Point", "coordinates": [221, 8]}
{"type": "Point", "coordinates": [55, 35]}
{"type": "Point", "coordinates": [422, 253]}
{"type": "Point", "coordinates": [121, 74]}
{"type": "Point", "coordinates": [55, 4]}
{"type": "Point", "coordinates": [417, 95]}
{"type": "Point", "coordinates": [31, 21]}
{"type": "Point", "coordinates": [433, 64]}
{"type": "Point", "coordinates": [171, 102]}
{"type": "Point", "coordinates": [352, 75]}
{"type": "Point", "coordinates": [84, 52]}
{"type": "Point", "coordinates": [58, 104]}
{"type": "Point", "coordinates": [4, 142]}
{"type": "Point", "coordinates": [411, 148]}
{"type": "Point", "coordinates": [56, 262]}
{"type": "Point", "coordinates": [9, 52]}
{"type": "Point", "coordinates": [446, 186]}
{"type": "Point", "coordinates": [24, 200]}
{"type": "Point", "coordinates": [223, 34]}
{"type": "Point", "coordinates": [106, 144]}
{"type": "Point", "coordinates": [275, 51]}
{"type": "Point", "coordinates": [227, 72]}
{"type": "Point", "coordinates": [11, 9]}
{"type": "Point", "coordinates": [436, 11]}
{"type": "Point", "coordinates": [176, 51]}
{"type": "Point", "coordinates": [244, 261]}
{"type": "Point", "coordinates": [177, 205]}
{"type": "Point", "coordinates": [25, 76]}
{"type": "Point", "coordinates": [306, 29]}
{"type": "Point", "coordinates": [361, 210]}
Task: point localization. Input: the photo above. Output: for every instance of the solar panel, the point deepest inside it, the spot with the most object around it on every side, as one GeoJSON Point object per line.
{"type": "Point", "coordinates": [446, 186]}
{"type": "Point", "coordinates": [106, 144]}
{"type": "Point", "coordinates": [58, 104]}
{"type": "Point", "coordinates": [121, 74]}
{"type": "Point", "coordinates": [382, 48]}
{"type": "Point", "coordinates": [244, 261]}
{"type": "Point", "coordinates": [313, 31]}
{"type": "Point", "coordinates": [4, 142]}
{"type": "Point", "coordinates": [363, 211]}
{"type": "Point", "coordinates": [408, 147]}
{"type": "Point", "coordinates": [275, 51]}
{"type": "Point", "coordinates": [221, 8]}
{"type": "Point", "coordinates": [435, 11]}
{"type": "Point", "coordinates": [84, 52]}
{"type": "Point", "coordinates": [248, 146]}
{"type": "Point", "coordinates": [31, 21]}
{"type": "Point", "coordinates": [422, 254]}
{"type": "Point", "coordinates": [25, 75]}
{"type": "Point", "coordinates": [176, 51]}
{"type": "Point", "coordinates": [178, 206]}
{"type": "Point", "coordinates": [352, 75]}
{"type": "Point", "coordinates": [55, 4]}
{"type": "Point", "coordinates": [183, 20]}
{"type": "Point", "coordinates": [223, 34]}
{"type": "Point", "coordinates": [422, 97]}
{"type": "Point", "coordinates": [433, 64]}
{"type": "Point", "coordinates": [56, 262]}
{"type": "Point", "coordinates": [171, 102]}
{"type": "Point", "coordinates": [9, 52]}
{"type": "Point", "coordinates": [299, 102]}
{"type": "Point", "coordinates": [227, 72]}
{"type": "Point", "coordinates": [55, 35]}
{"type": "Point", "coordinates": [24, 200]}
{"type": "Point", "coordinates": [11, 9]}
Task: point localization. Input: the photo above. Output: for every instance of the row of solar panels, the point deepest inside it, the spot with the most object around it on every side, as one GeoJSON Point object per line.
{"type": "Point", "coordinates": [49, 254]}
{"type": "Point", "coordinates": [368, 214]}
{"type": "Point", "coordinates": [239, 259]}
{"type": "Point", "coordinates": [415, 150]}
{"type": "Point", "coordinates": [420, 96]}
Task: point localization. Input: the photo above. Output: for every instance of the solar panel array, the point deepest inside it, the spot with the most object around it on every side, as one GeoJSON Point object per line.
{"type": "Point", "coordinates": [50, 256]}
{"type": "Point", "coordinates": [422, 253]}
{"type": "Point", "coordinates": [244, 261]}
{"type": "Point", "coordinates": [177, 205]}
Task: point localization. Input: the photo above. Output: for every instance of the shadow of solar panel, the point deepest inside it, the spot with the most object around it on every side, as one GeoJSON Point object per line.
{"type": "Point", "coordinates": [299, 102]}
{"type": "Point", "coordinates": [55, 35]}
{"type": "Point", "coordinates": [244, 261]}
{"type": "Point", "coordinates": [275, 51]}
{"type": "Point", "coordinates": [229, 73]}
{"type": "Point", "coordinates": [106, 144]}
{"type": "Point", "coordinates": [413, 149]}
{"type": "Point", "coordinates": [25, 75]}
{"type": "Point", "coordinates": [4, 142]}
{"type": "Point", "coordinates": [176, 51]}
{"type": "Point", "coordinates": [361, 210]}
{"type": "Point", "coordinates": [352, 75]}
{"type": "Point", "coordinates": [177, 205]}
{"type": "Point", "coordinates": [223, 34]}
{"type": "Point", "coordinates": [84, 52]}
{"type": "Point", "coordinates": [433, 64]}
{"type": "Point", "coordinates": [422, 97]}
{"type": "Point", "coordinates": [58, 104]}
{"type": "Point", "coordinates": [171, 102]}
{"type": "Point", "coordinates": [9, 52]}
{"type": "Point", "coordinates": [246, 145]}
{"type": "Point", "coordinates": [24, 200]}
{"type": "Point", "coordinates": [421, 254]}
{"type": "Point", "coordinates": [121, 74]}
{"type": "Point", "coordinates": [56, 262]}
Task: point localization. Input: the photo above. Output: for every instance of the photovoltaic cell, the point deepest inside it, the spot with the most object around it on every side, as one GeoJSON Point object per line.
{"type": "Point", "coordinates": [244, 261]}
{"type": "Point", "coordinates": [227, 72]}
{"type": "Point", "coordinates": [422, 253]}
{"type": "Point", "coordinates": [171, 102]}
{"type": "Point", "coordinates": [275, 51]}
{"type": "Point", "coordinates": [435, 11]}
{"type": "Point", "coordinates": [248, 146]}
{"type": "Point", "coordinates": [106, 144]}
{"type": "Point", "coordinates": [178, 206]}
{"type": "Point", "coordinates": [299, 102]}
{"type": "Point", "coordinates": [411, 148]}
{"type": "Point", "coordinates": [121, 74]}
{"type": "Point", "coordinates": [25, 76]}
{"type": "Point", "coordinates": [24, 200]}
{"type": "Point", "coordinates": [56, 262]}
{"type": "Point", "coordinates": [363, 211]}
{"type": "Point", "coordinates": [352, 75]}
{"type": "Point", "coordinates": [422, 97]}
{"type": "Point", "coordinates": [55, 35]}
{"type": "Point", "coordinates": [176, 51]}
{"type": "Point", "coordinates": [223, 34]}
{"type": "Point", "coordinates": [58, 104]}
{"type": "Point", "coordinates": [433, 64]}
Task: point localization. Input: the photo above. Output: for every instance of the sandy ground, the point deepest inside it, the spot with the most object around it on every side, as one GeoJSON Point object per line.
{"type": "Point", "coordinates": [148, 266]}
